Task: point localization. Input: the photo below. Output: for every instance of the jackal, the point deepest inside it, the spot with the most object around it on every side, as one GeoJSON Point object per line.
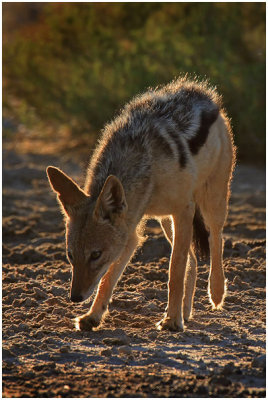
{"type": "Point", "coordinates": [169, 155]}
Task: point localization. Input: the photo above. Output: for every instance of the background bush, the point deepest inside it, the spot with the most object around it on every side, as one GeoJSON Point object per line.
{"type": "Point", "coordinates": [78, 63]}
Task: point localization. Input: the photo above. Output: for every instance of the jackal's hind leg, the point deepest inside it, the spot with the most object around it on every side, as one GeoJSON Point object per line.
{"type": "Point", "coordinates": [166, 224]}
{"type": "Point", "coordinates": [213, 206]}
{"type": "Point", "coordinates": [105, 289]}
{"type": "Point", "coordinates": [189, 285]}
{"type": "Point", "coordinates": [217, 283]}
{"type": "Point", "coordinates": [182, 226]}
{"type": "Point", "coordinates": [191, 270]}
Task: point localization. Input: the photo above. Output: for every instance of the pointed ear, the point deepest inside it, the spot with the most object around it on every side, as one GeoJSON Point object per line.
{"type": "Point", "coordinates": [111, 201]}
{"type": "Point", "coordinates": [69, 193]}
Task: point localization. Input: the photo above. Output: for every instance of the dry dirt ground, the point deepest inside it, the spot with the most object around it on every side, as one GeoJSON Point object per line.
{"type": "Point", "coordinates": [220, 353]}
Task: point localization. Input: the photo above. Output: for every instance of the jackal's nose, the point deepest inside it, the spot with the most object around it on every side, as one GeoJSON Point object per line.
{"type": "Point", "coordinates": [76, 299]}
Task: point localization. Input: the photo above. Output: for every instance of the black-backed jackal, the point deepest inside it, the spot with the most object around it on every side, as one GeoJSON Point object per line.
{"type": "Point", "coordinates": [168, 155]}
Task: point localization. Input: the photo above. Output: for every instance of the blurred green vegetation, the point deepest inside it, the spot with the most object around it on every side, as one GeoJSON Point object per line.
{"type": "Point", "coordinates": [76, 64]}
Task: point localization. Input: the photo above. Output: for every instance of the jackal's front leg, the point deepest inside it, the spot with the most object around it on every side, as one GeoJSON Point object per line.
{"type": "Point", "coordinates": [105, 289]}
{"type": "Point", "coordinates": [173, 319]}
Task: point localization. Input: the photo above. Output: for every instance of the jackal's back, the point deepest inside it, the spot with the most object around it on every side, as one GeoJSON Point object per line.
{"type": "Point", "coordinates": [172, 121]}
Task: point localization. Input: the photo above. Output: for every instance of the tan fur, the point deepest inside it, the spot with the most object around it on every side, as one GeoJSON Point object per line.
{"type": "Point", "coordinates": [110, 224]}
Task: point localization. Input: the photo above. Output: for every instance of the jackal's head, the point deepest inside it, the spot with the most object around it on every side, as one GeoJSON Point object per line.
{"type": "Point", "coordinates": [96, 230]}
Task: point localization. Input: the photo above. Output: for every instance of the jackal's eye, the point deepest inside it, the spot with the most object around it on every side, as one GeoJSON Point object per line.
{"type": "Point", "coordinates": [95, 255]}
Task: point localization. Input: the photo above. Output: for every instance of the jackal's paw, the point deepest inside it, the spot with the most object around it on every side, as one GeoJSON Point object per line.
{"type": "Point", "coordinates": [169, 324]}
{"type": "Point", "coordinates": [217, 292]}
{"type": "Point", "coordinates": [86, 322]}
{"type": "Point", "coordinates": [187, 313]}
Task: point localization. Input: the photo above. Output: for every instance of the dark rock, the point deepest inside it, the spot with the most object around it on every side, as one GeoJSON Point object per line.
{"type": "Point", "coordinates": [220, 380]}
{"type": "Point", "coordinates": [259, 362]}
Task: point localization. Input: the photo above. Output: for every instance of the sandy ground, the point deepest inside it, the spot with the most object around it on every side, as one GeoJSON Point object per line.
{"type": "Point", "coordinates": [220, 353]}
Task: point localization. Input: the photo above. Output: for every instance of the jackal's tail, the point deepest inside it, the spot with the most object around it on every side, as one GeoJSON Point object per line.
{"type": "Point", "coordinates": [200, 235]}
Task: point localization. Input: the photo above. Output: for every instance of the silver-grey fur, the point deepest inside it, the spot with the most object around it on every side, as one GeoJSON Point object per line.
{"type": "Point", "coordinates": [165, 119]}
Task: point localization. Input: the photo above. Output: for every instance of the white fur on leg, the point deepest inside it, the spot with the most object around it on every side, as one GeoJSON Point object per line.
{"type": "Point", "coordinates": [217, 295]}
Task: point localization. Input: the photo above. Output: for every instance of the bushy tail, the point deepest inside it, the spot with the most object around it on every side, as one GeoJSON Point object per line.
{"type": "Point", "coordinates": [200, 235]}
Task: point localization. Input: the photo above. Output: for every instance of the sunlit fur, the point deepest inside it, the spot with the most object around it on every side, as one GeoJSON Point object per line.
{"type": "Point", "coordinates": [169, 152]}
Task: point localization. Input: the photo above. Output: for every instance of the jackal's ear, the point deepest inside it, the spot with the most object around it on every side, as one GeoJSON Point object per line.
{"type": "Point", "coordinates": [69, 193]}
{"type": "Point", "coordinates": [111, 201]}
